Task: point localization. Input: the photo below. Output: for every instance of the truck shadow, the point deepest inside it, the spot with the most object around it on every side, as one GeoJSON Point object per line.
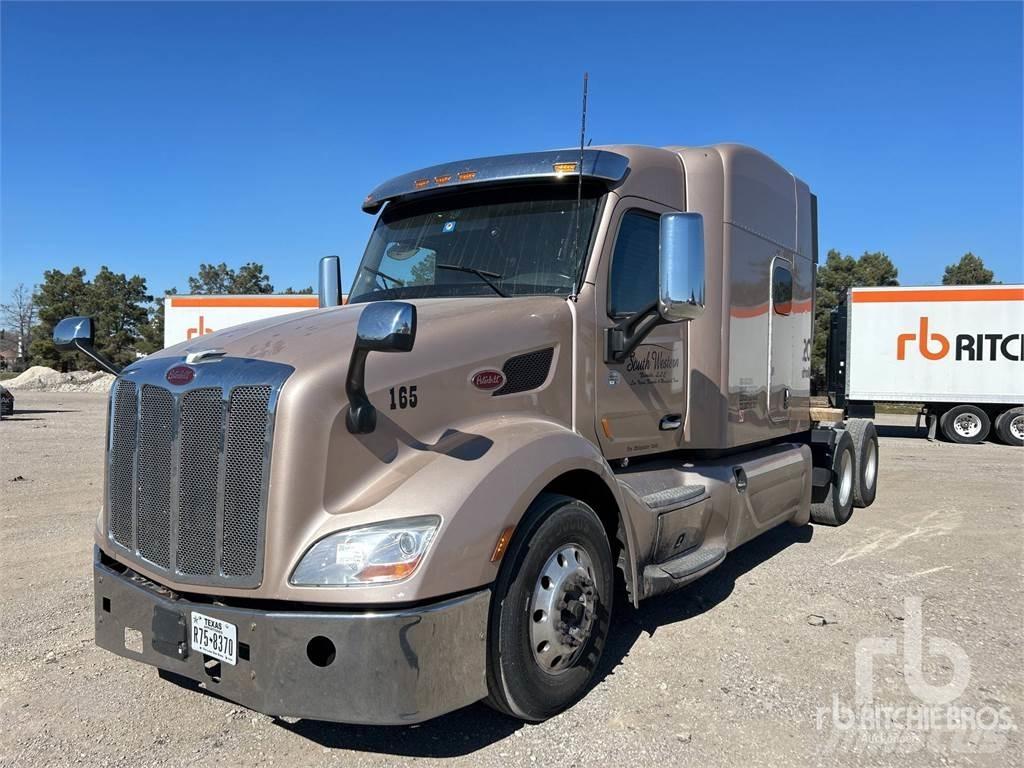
{"type": "Point", "coordinates": [477, 726]}
{"type": "Point", "coordinates": [891, 430]}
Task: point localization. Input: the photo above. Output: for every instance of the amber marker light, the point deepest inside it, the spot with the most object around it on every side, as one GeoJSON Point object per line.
{"type": "Point", "coordinates": [387, 571]}
{"type": "Point", "coordinates": [467, 175]}
{"type": "Point", "coordinates": [421, 183]}
{"type": "Point", "coordinates": [443, 179]}
{"type": "Point", "coordinates": [565, 167]}
{"type": "Point", "coordinates": [501, 544]}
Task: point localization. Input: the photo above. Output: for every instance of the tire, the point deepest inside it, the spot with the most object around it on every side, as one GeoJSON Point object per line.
{"type": "Point", "coordinates": [837, 506]}
{"type": "Point", "coordinates": [1010, 426]}
{"type": "Point", "coordinates": [865, 460]}
{"type": "Point", "coordinates": [523, 680]}
{"type": "Point", "coordinates": [965, 424]}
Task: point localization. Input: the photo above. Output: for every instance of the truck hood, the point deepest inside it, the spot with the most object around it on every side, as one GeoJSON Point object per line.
{"type": "Point", "coordinates": [428, 407]}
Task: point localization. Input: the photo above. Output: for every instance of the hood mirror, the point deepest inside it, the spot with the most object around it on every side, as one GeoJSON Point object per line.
{"type": "Point", "coordinates": [384, 326]}
{"type": "Point", "coordinates": [77, 334]}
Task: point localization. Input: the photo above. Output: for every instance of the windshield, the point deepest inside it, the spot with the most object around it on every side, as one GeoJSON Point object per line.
{"type": "Point", "coordinates": [509, 242]}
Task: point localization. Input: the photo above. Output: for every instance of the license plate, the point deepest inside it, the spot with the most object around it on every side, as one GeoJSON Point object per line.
{"type": "Point", "coordinates": [214, 637]}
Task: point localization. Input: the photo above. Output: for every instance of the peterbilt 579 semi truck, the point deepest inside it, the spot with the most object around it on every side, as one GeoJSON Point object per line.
{"type": "Point", "coordinates": [955, 349]}
{"type": "Point", "coordinates": [555, 370]}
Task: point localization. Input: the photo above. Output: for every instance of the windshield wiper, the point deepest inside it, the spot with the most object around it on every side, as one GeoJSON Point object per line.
{"type": "Point", "coordinates": [380, 274]}
{"type": "Point", "coordinates": [485, 276]}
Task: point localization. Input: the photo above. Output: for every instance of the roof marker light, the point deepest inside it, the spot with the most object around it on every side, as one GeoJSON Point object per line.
{"type": "Point", "coordinates": [565, 167]}
{"type": "Point", "coordinates": [467, 175]}
{"type": "Point", "coordinates": [443, 179]}
{"type": "Point", "coordinates": [421, 183]}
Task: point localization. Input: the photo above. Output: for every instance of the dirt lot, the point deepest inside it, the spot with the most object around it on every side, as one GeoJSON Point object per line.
{"type": "Point", "coordinates": [753, 665]}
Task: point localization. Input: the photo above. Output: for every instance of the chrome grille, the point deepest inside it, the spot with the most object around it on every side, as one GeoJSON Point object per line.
{"type": "Point", "coordinates": [201, 419]}
{"type": "Point", "coordinates": [188, 469]}
{"type": "Point", "coordinates": [153, 527]}
{"type": "Point", "coordinates": [245, 468]}
{"type": "Point", "coordinates": [122, 463]}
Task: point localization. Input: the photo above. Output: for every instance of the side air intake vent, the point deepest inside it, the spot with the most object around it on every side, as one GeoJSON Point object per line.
{"type": "Point", "coordinates": [526, 372]}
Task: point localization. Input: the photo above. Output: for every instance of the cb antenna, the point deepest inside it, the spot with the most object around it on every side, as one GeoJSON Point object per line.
{"type": "Point", "coordinates": [579, 179]}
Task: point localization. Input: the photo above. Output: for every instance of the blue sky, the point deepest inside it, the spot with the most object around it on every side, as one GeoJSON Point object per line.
{"type": "Point", "coordinates": [153, 137]}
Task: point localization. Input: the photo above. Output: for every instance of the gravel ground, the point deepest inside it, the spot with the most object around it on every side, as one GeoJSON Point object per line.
{"type": "Point", "coordinates": [745, 667]}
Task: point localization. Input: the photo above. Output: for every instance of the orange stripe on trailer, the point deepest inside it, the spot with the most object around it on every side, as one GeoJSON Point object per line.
{"type": "Point", "coordinates": [299, 302]}
{"type": "Point", "coordinates": [937, 294]}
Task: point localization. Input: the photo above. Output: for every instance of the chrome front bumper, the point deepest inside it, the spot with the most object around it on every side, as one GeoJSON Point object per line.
{"type": "Point", "coordinates": [390, 667]}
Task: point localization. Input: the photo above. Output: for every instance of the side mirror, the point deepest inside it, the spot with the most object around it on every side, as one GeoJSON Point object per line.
{"type": "Point", "coordinates": [681, 266]}
{"type": "Point", "coordinates": [72, 333]}
{"type": "Point", "coordinates": [330, 281]}
{"type": "Point", "coordinates": [76, 334]}
{"type": "Point", "coordinates": [384, 326]}
{"type": "Point", "coordinates": [387, 326]}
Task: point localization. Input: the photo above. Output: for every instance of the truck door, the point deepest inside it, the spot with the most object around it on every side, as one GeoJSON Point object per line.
{"type": "Point", "coordinates": [641, 401]}
{"type": "Point", "coordinates": [782, 346]}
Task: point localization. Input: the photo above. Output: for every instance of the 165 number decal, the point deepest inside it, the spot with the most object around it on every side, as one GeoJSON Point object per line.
{"type": "Point", "coordinates": [404, 397]}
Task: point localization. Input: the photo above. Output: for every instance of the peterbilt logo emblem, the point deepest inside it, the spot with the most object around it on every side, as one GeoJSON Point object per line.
{"type": "Point", "coordinates": [488, 380]}
{"type": "Point", "coordinates": [180, 374]}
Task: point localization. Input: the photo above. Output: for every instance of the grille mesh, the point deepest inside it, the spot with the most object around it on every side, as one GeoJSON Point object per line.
{"type": "Point", "coordinates": [186, 477]}
{"type": "Point", "coordinates": [122, 462]}
{"type": "Point", "coordinates": [201, 417]}
{"type": "Point", "coordinates": [154, 480]}
{"type": "Point", "coordinates": [526, 372]}
{"type": "Point", "coordinates": [243, 484]}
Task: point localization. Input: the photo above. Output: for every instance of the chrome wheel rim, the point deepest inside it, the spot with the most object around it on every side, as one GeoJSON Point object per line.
{"type": "Point", "coordinates": [967, 425]}
{"type": "Point", "coordinates": [845, 477]}
{"type": "Point", "coordinates": [1017, 427]}
{"type": "Point", "coordinates": [871, 465]}
{"type": "Point", "coordinates": [563, 608]}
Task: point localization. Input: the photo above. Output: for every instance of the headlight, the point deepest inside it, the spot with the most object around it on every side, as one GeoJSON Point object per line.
{"type": "Point", "coordinates": [374, 554]}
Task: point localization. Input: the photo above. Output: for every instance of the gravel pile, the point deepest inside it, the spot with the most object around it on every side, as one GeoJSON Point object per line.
{"type": "Point", "coordinates": [39, 378]}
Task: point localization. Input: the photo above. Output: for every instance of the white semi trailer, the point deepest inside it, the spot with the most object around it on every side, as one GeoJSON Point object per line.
{"type": "Point", "coordinates": [958, 350]}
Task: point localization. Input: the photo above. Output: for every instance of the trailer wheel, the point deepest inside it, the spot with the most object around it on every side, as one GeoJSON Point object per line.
{"type": "Point", "coordinates": [965, 424]}
{"type": "Point", "coordinates": [550, 610]}
{"type": "Point", "coordinates": [865, 464]}
{"type": "Point", "coordinates": [1010, 426]}
{"type": "Point", "coordinates": [837, 506]}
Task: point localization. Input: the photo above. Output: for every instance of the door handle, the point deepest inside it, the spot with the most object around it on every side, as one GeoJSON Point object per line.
{"type": "Point", "coordinates": [670, 422]}
{"type": "Point", "coordinates": [785, 397]}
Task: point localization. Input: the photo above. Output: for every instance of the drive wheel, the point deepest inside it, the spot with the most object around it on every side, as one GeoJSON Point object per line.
{"type": "Point", "coordinates": [837, 506]}
{"type": "Point", "coordinates": [965, 424]}
{"type": "Point", "coordinates": [865, 465]}
{"type": "Point", "coordinates": [1010, 426]}
{"type": "Point", "coordinates": [550, 610]}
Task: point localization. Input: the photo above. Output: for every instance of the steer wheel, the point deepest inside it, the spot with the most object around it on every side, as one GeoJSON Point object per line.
{"type": "Point", "coordinates": [550, 610]}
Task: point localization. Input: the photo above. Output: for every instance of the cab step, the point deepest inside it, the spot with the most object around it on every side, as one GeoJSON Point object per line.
{"type": "Point", "coordinates": [673, 497]}
{"type": "Point", "coordinates": [681, 570]}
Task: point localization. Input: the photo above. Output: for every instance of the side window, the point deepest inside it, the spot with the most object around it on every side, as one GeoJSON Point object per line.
{"type": "Point", "coordinates": [634, 273]}
{"type": "Point", "coordinates": [782, 290]}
